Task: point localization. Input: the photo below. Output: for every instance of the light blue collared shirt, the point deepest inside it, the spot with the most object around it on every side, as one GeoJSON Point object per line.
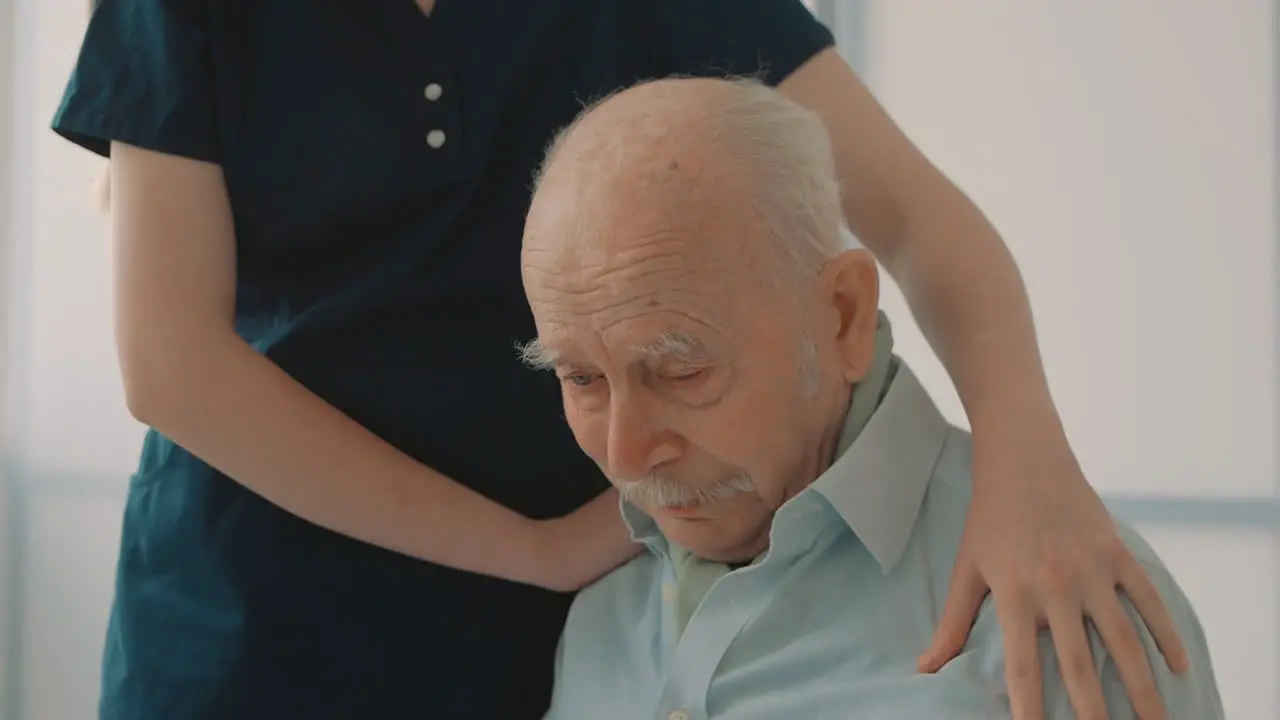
{"type": "Point", "coordinates": [829, 622]}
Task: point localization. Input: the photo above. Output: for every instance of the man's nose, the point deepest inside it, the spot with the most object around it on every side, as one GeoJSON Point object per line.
{"type": "Point", "coordinates": [638, 440]}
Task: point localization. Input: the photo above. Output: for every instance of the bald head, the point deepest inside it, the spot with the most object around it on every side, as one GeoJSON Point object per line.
{"type": "Point", "coordinates": [688, 152]}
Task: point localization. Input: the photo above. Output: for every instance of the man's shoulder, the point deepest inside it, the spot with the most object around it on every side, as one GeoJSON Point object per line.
{"type": "Point", "coordinates": [1191, 694]}
{"type": "Point", "coordinates": [1194, 693]}
{"type": "Point", "coordinates": [617, 598]}
{"type": "Point", "coordinates": [634, 577]}
{"type": "Point", "coordinates": [606, 663]}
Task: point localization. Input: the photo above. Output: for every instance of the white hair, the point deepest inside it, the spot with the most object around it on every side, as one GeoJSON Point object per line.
{"type": "Point", "coordinates": [786, 151]}
{"type": "Point", "coordinates": [661, 491]}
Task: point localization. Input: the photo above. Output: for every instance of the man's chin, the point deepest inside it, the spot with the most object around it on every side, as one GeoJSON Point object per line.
{"type": "Point", "coordinates": [709, 537]}
{"type": "Point", "coordinates": [691, 511]}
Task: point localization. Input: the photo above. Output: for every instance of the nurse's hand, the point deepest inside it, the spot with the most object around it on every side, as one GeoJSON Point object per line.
{"type": "Point", "coordinates": [1039, 539]}
{"type": "Point", "coordinates": [574, 551]}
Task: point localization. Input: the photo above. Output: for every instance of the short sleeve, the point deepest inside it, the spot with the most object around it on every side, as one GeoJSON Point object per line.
{"type": "Point", "coordinates": [767, 39]}
{"type": "Point", "coordinates": [144, 77]}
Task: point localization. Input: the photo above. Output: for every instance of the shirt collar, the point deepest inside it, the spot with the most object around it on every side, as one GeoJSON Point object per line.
{"type": "Point", "coordinates": [877, 485]}
{"type": "Point", "coordinates": [644, 529]}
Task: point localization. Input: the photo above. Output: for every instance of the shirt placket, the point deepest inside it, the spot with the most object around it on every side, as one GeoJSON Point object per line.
{"type": "Point", "coordinates": [731, 603]}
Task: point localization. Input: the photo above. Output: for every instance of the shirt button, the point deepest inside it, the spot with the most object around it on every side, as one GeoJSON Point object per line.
{"type": "Point", "coordinates": [435, 139]}
{"type": "Point", "coordinates": [678, 715]}
{"type": "Point", "coordinates": [433, 91]}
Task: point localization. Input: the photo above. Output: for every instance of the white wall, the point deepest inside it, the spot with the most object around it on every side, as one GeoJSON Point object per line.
{"type": "Point", "coordinates": [1124, 149]}
{"type": "Point", "coordinates": [7, 139]}
{"type": "Point", "coordinates": [64, 338]}
{"type": "Point", "coordinates": [73, 445]}
{"type": "Point", "coordinates": [1126, 152]}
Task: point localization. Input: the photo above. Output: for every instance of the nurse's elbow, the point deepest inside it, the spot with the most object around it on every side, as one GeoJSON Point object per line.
{"type": "Point", "coordinates": [138, 397]}
{"type": "Point", "coordinates": [160, 372]}
{"type": "Point", "coordinates": [146, 385]}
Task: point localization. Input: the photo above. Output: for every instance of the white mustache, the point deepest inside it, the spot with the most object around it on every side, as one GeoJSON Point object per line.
{"type": "Point", "coordinates": [662, 492]}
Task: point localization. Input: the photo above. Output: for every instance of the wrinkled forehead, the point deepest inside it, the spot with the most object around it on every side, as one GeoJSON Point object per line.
{"type": "Point", "coordinates": [596, 286]}
{"type": "Point", "coordinates": [637, 290]}
{"type": "Point", "coordinates": [560, 346]}
{"type": "Point", "coordinates": [642, 237]}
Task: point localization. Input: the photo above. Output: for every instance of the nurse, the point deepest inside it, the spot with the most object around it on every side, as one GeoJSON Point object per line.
{"type": "Point", "coordinates": [355, 502]}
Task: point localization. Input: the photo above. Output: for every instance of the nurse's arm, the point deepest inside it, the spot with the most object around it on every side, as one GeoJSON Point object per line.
{"type": "Point", "coordinates": [957, 274]}
{"type": "Point", "coordinates": [190, 376]}
{"type": "Point", "coordinates": [1037, 536]}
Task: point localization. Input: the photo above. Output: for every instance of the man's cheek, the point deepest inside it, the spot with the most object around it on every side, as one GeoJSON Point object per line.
{"type": "Point", "coordinates": [591, 432]}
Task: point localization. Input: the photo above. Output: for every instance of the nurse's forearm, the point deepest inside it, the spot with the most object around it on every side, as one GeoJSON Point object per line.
{"type": "Point", "coordinates": [187, 374]}
{"type": "Point", "coordinates": [967, 294]}
{"type": "Point", "coordinates": [239, 412]}
{"type": "Point", "coordinates": [958, 276]}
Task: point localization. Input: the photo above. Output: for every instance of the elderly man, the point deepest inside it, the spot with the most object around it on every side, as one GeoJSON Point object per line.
{"type": "Point", "coordinates": [802, 499]}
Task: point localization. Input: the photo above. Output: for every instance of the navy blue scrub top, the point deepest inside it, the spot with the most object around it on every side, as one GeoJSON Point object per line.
{"type": "Point", "coordinates": [378, 164]}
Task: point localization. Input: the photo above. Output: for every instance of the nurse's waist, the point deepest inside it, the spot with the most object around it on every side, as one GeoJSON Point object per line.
{"type": "Point", "coordinates": [465, 413]}
{"type": "Point", "coordinates": [391, 315]}
{"type": "Point", "coordinates": [451, 393]}
{"type": "Point", "coordinates": [510, 447]}
{"type": "Point", "coordinates": [405, 401]}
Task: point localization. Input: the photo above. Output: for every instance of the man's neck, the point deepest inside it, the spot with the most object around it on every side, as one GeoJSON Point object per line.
{"type": "Point", "coordinates": [829, 448]}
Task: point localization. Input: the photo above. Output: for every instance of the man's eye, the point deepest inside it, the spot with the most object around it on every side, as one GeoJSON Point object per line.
{"type": "Point", "coordinates": [686, 375]}
{"type": "Point", "coordinates": [581, 380]}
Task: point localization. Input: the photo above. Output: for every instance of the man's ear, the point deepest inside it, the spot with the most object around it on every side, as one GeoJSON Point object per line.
{"type": "Point", "coordinates": [851, 284]}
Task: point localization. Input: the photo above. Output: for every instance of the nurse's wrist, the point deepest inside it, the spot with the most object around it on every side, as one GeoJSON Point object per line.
{"type": "Point", "coordinates": [545, 555]}
{"type": "Point", "coordinates": [570, 552]}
